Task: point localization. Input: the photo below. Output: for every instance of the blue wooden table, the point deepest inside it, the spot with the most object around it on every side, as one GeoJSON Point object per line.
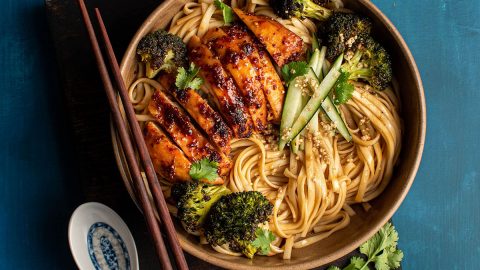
{"type": "Point", "coordinates": [438, 222]}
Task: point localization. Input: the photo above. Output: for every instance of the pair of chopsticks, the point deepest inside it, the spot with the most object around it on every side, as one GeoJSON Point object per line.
{"type": "Point", "coordinates": [128, 147]}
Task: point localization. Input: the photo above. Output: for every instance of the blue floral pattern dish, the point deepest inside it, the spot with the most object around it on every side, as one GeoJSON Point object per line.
{"type": "Point", "coordinates": [99, 239]}
{"type": "Point", "coordinates": [106, 248]}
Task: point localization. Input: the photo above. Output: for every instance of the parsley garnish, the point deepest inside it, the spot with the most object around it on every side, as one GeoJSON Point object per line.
{"type": "Point", "coordinates": [381, 249]}
{"type": "Point", "coordinates": [263, 240]}
{"type": "Point", "coordinates": [294, 69]}
{"type": "Point", "coordinates": [188, 78]}
{"type": "Point", "coordinates": [343, 89]}
{"type": "Point", "coordinates": [204, 169]}
{"type": "Point", "coordinates": [226, 10]}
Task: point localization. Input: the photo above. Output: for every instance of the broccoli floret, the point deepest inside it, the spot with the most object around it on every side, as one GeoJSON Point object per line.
{"type": "Point", "coordinates": [300, 9]}
{"type": "Point", "coordinates": [371, 63]}
{"type": "Point", "coordinates": [234, 220]}
{"type": "Point", "coordinates": [345, 31]}
{"type": "Point", "coordinates": [160, 50]}
{"type": "Point", "coordinates": [377, 59]}
{"type": "Point", "coordinates": [194, 200]}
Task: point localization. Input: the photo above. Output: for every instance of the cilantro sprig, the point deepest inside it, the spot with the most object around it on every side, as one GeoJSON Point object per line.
{"type": "Point", "coordinates": [188, 78]}
{"type": "Point", "coordinates": [294, 69]}
{"type": "Point", "coordinates": [381, 250]}
{"type": "Point", "coordinates": [343, 89]}
{"type": "Point", "coordinates": [204, 169]}
{"type": "Point", "coordinates": [263, 240]}
{"type": "Point", "coordinates": [226, 10]}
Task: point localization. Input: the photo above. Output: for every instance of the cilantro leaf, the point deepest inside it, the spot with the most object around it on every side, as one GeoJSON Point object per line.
{"type": "Point", "coordinates": [356, 263]}
{"type": "Point", "coordinates": [381, 262]}
{"type": "Point", "coordinates": [394, 257]}
{"type": "Point", "coordinates": [387, 237]}
{"type": "Point", "coordinates": [381, 249]}
{"type": "Point", "coordinates": [196, 83]}
{"type": "Point", "coordinates": [204, 169]}
{"type": "Point", "coordinates": [333, 267]}
{"type": "Point", "coordinates": [343, 90]}
{"type": "Point", "coordinates": [263, 240]}
{"type": "Point", "coordinates": [226, 10]}
{"type": "Point", "coordinates": [188, 78]}
{"type": "Point", "coordinates": [294, 69]}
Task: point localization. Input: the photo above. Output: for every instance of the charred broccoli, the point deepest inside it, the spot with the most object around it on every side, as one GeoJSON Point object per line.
{"type": "Point", "coordinates": [371, 63]}
{"type": "Point", "coordinates": [235, 221]}
{"type": "Point", "coordinates": [194, 200]}
{"type": "Point", "coordinates": [300, 9]}
{"type": "Point", "coordinates": [378, 65]}
{"type": "Point", "coordinates": [160, 50]}
{"type": "Point", "coordinates": [345, 31]}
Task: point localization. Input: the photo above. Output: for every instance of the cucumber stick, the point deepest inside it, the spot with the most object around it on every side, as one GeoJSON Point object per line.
{"type": "Point", "coordinates": [313, 104]}
{"type": "Point", "coordinates": [331, 110]}
{"type": "Point", "coordinates": [314, 61]}
{"type": "Point", "coordinates": [328, 106]}
{"type": "Point", "coordinates": [315, 44]}
{"type": "Point", "coordinates": [296, 142]}
{"type": "Point", "coordinates": [313, 64]}
{"type": "Point", "coordinates": [319, 65]}
{"type": "Point", "coordinates": [294, 103]}
{"type": "Point", "coordinates": [313, 125]}
{"type": "Point", "coordinates": [291, 109]}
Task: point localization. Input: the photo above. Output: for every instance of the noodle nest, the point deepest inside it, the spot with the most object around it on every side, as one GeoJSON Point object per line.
{"type": "Point", "coordinates": [312, 191]}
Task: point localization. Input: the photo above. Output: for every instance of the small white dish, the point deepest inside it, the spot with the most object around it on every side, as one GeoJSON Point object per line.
{"type": "Point", "coordinates": [100, 240]}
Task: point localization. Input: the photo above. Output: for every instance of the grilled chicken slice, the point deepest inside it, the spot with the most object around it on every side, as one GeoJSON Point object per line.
{"type": "Point", "coordinates": [268, 77]}
{"type": "Point", "coordinates": [177, 124]}
{"type": "Point", "coordinates": [199, 109]}
{"type": "Point", "coordinates": [231, 51]}
{"type": "Point", "coordinates": [220, 86]}
{"type": "Point", "coordinates": [283, 45]}
{"type": "Point", "coordinates": [168, 160]}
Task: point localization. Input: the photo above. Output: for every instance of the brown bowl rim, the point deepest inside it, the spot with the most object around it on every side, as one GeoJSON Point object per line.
{"type": "Point", "coordinates": [375, 226]}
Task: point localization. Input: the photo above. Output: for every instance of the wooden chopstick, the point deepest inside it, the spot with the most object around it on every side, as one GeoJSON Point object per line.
{"type": "Point", "coordinates": [130, 153]}
{"type": "Point", "coordinates": [153, 182]}
{"type": "Point", "coordinates": [127, 146]}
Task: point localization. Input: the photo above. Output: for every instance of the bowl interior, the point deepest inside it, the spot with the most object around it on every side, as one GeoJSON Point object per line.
{"type": "Point", "coordinates": [364, 224]}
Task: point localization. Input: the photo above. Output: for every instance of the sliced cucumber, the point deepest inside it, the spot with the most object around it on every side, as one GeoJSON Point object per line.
{"type": "Point", "coordinates": [314, 60]}
{"type": "Point", "coordinates": [319, 66]}
{"type": "Point", "coordinates": [314, 103]}
{"type": "Point", "coordinates": [313, 126]}
{"type": "Point", "coordinates": [296, 143]}
{"type": "Point", "coordinates": [315, 44]}
{"type": "Point", "coordinates": [326, 67]}
{"type": "Point", "coordinates": [331, 110]}
{"type": "Point", "coordinates": [291, 109]}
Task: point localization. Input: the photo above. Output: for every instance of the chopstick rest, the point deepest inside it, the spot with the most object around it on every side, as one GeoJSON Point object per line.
{"type": "Point", "coordinates": [100, 239]}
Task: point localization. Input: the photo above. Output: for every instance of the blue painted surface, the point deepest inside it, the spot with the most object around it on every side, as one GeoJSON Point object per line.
{"type": "Point", "coordinates": [438, 223]}
{"type": "Point", "coordinates": [34, 200]}
{"type": "Point", "coordinates": [440, 218]}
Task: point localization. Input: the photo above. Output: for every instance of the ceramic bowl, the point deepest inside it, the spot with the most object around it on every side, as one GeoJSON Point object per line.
{"type": "Point", "coordinates": [364, 224]}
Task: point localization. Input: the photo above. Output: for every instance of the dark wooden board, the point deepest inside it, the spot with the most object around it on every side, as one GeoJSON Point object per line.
{"type": "Point", "coordinates": [88, 112]}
